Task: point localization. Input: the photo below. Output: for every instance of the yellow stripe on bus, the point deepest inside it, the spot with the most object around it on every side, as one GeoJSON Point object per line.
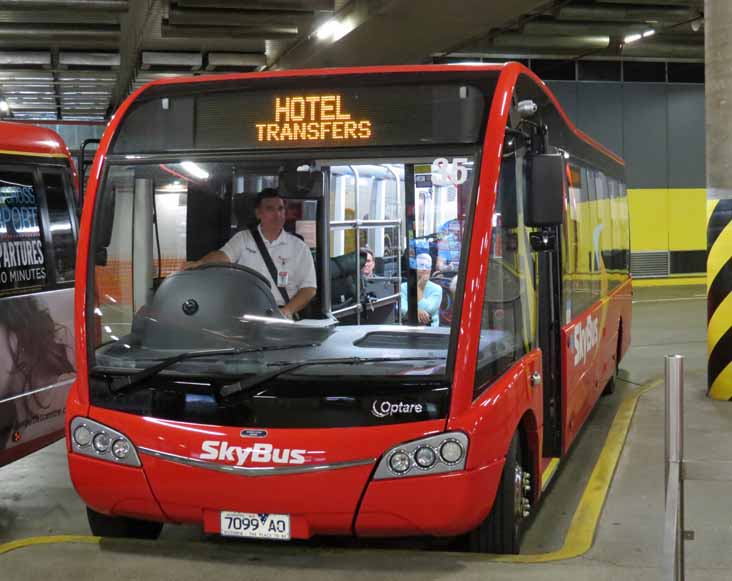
{"type": "Point", "coordinates": [711, 206]}
{"type": "Point", "coordinates": [31, 154]}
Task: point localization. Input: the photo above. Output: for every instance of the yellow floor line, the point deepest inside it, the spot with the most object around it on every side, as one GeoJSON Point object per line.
{"type": "Point", "coordinates": [49, 540]}
{"type": "Point", "coordinates": [581, 531]}
{"type": "Point", "coordinates": [548, 474]}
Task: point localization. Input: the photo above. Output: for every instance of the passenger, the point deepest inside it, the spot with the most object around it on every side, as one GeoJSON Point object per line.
{"type": "Point", "coordinates": [429, 294]}
{"type": "Point", "coordinates": [295, 284]}
{"type": "Point", "coordinates": [367, 270]}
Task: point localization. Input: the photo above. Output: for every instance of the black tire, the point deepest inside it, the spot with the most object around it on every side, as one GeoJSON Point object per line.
{"type": "Point", "coordinates": [610, 385]}
{"type": "Point", "coordinates": [102, 525]}
{"type": "Point", "coordinates": [501, 531]}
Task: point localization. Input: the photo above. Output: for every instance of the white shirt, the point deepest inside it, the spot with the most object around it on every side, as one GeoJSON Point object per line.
{"type": "Point", "coordinates": [290, 255]}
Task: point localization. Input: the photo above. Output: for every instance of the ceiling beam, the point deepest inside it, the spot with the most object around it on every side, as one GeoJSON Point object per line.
{"type": "Point", "coordinates": [105, 5]}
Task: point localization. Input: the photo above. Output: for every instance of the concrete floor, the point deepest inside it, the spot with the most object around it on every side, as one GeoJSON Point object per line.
{"type": "Point", "coordinates": [36, 498]}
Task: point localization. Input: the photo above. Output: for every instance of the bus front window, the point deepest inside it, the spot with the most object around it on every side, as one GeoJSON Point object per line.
{"type": "Point", "coordinates": [406, 218]}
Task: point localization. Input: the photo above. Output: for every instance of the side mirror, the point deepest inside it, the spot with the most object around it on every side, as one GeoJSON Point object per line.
{"type": "Point", "coordinates": [545, 192]}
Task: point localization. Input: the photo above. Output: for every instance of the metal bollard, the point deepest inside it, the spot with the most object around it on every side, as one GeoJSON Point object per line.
{"type": "Point", "coordinates": [674, 454]}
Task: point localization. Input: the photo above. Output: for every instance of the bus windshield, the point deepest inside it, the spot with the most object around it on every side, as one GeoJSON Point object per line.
{"type": "Point", "coordinates": [155, 220]}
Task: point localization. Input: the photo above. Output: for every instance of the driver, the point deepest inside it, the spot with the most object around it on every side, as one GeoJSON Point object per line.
{"type": "Point", "coordinates": [291, 257]}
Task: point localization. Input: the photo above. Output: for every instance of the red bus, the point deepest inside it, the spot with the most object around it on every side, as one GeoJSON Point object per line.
{"type": "Point", "coordinates": [38, 231]}
{"type": "Point", "coordinates": [198, 402]}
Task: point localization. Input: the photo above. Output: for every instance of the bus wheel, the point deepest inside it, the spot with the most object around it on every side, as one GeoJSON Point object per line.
{"type": "Point", "coordinates": [102, 525]}
{"type": "Point", "coordinates": [501, 531]}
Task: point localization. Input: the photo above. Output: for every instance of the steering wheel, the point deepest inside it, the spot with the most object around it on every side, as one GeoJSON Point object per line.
{"type": "Point", "coordinates": [233, 266]}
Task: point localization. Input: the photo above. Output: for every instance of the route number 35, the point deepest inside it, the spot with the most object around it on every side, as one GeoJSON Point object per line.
{"type": "Point", "coordinates": [445, 173]}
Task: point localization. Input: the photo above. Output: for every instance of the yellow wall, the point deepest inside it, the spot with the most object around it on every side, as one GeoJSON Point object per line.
{"type": "Point", "coordinates": [667, 219]}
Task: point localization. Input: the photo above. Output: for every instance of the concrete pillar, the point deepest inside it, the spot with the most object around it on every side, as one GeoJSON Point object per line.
{"type": "Point", "coordinates": [718, 58]}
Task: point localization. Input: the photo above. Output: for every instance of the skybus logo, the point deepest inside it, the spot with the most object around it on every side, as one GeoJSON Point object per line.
{"type": "Point", "coordinates": [258, 453]}
{"type": "Point", "coordinates": [584, 339]}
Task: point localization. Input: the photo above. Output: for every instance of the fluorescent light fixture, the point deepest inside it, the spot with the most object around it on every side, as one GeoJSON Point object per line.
{"type": "Point", "coordinates": [194, 169]}
{"type": "Point", "coordinates": [632, 38]}
{"type": "Point", "coordinates": [648, 33]}
{"type": "Point", "coordinates": [327, 30]}
{"type": "Point", "coordinates": [333, 30]}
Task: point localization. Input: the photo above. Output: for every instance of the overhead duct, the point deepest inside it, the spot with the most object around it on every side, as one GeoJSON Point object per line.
{"type": "Point", "coordinates": [186, 17]}
{"type": "Point", "coordinates": [89, 59]}
{"type": "Point", "coordinates": [259, 32]}
{"type": "Point", "coordinates": [51, 31]}
{"type": "Point", "coordinates": [546, 28]}
{"type": "Point", "coordinates": [103, 5]}
{"type": "Point", "coordinates": [624, 14]}
{"type": "Point", "coordinates": [25, 58]}
{"type": "Point", "coordinates": [189, 60]}
{"type": "Point", "coordinates": [305, 5]}
{"type": "Point", "coordinates": [234, 60]}
{"type": "Point", "coordinates": [586, 42]}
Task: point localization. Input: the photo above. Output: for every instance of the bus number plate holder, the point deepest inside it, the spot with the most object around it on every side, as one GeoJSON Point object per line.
{"type": "Point", "coordinates": [255, 525]}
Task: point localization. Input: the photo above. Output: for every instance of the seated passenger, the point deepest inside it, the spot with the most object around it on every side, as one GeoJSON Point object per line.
{"type": "Point", "coordinates": [429, 294]}
{"type": "Point", "coordinates": [367, 259]}
{"type": "Point", "coordinates": [295, 284]}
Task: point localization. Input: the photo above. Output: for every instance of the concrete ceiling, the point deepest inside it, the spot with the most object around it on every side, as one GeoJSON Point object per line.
{"type": "Point", "coordinates": [76, 60]}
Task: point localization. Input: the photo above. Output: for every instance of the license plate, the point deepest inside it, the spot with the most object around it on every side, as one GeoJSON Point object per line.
{"type": "Point", "coordinates": [255, 525]}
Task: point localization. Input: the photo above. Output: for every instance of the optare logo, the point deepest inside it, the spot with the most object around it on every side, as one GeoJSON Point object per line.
{"type": "Point", "coordinates": [253, 433]}
{"type": "Point", "coordinates": [256, 454]}
{"type": "Point", "coordinates": [584, 339]}
{"type": "Point", "coordinates": [384, 408]}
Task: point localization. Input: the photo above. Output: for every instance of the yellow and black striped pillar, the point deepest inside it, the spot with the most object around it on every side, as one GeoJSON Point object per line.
{"type": "Point", "coordinates": [719, 298]}
{"type": "Point", "coordinates": [718, 152]}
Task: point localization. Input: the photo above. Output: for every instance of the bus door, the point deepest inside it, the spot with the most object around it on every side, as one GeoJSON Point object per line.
{"type": "Point", "coordinates": [545, 243]}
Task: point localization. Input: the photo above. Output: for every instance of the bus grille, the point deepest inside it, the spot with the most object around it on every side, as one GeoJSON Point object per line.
{"type": "Point", "coordinates": [649, 264]}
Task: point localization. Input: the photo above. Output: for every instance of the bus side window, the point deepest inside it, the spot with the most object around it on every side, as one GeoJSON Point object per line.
{"type": "Point", "coordinates": [508, 304]}
{"type": "Point", "coordinates": [62, 234]}
{"type": "Point", "coordinates": [22, 250]}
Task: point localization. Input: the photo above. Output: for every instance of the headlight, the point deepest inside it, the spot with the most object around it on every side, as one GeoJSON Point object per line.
{"type": "Point", "coordinates": [432, 455]}
{"type": "Point", "coordinates": [102, 442]}
{"type": "Point", "coordinates": [121, 449]}
{"type": "Point", "coordinates": [451, 451]}
{"type": "Point", "coordinates": [91, 438]}
{"type": "Point", "coordinates": [399, 462]}
{"type": "Point", "coordinates": [82, 436]}
{"type": "Point", "coordinates": [425, 457]}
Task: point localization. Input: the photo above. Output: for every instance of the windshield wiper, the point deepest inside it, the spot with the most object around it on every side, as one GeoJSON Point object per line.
{"type": "Point", "coordinates": [243, 386]}
{"type": "Point", "coordinates": [124, 383]}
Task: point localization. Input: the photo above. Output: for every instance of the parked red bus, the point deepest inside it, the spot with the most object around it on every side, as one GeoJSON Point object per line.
{"type": "Point", "coordinates": [38, 230]}
{"type": "Point", "coordinates": [200, 403]}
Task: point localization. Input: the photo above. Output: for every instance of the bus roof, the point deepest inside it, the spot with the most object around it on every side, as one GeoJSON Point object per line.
{"type": "Point", "coordinates": [26, 139]}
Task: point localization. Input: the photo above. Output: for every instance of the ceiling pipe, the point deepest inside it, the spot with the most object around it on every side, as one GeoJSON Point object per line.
{"type": "Point", "coordinates": [624, 14]}
{"type": "Point", "coordinates": [104, 5]}
{"type": "Point", "coordinates": [253, 33]}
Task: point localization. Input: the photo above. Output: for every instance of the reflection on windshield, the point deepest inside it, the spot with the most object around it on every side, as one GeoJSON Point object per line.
{"type": "Point", "coordinates": [375, 294]}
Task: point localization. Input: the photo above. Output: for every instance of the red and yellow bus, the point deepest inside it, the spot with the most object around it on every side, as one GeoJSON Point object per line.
{"type": "Point", "coordinates": [198, 402]}
{"type": "Point", "coordinates": [38, 231]}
